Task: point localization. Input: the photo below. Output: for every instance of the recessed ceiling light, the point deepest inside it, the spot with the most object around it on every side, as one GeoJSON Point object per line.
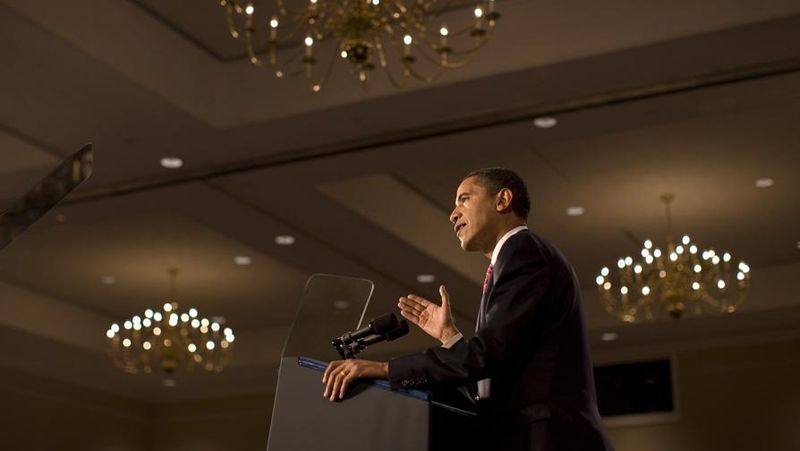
{"type": "Point", "coordinates": [426, 278]}
{"type": "Point", "coordinates": [545, 122]}
{"type": "Point", "coordinates": [284, 240]}
{"type": "Point", "coordinates": [61, 218]}
{"type": "Point", "coordinates": [242, 260]}
{"type": "Point", "coordinates": [764, 182]}
{"type": "Point", "coordinates": [609, 336]}
{"type": "Point", "coordinates": [171, 162]}
{"type": "Point", "coordinates": [341, 305]}
{"type": "Point", "coordinates": [576, 210]}
{"type": "Point", "coordinates": [109, 280]}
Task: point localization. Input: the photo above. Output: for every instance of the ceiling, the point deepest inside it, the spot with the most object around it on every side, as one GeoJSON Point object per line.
{"type": "Point", "coordinates": [680, 97]}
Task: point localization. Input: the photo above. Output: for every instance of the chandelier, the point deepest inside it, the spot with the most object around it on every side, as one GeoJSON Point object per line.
{"type": "Point", "coordinates": [675, 279]}
{"type": "Point", "coordinates": [406, 38]}
{"type": "Point", "coordinates": [168, 339]}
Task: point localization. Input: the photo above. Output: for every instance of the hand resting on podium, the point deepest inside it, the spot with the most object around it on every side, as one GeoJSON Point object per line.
{"type": "Point", "coordinates": [341, 373]}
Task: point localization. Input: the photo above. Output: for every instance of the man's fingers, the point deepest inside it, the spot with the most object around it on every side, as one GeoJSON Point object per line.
{"type": "Point", "coordinates": [407, 304]}
{"type": "Point", "coordinates": [337, 384]}
{"type": "Point", "coordinates": [421, 301]}
{"type": "Point", "coordinates": [327, 377]}
{"type": "Point", "coordinates": [330, 369]}
{"type": "Point", "coordinates": [445, 296]}
{"type": "Point", "coordinates": [416, 301]}
{"type": "Point", "coordinates": [345, 383]}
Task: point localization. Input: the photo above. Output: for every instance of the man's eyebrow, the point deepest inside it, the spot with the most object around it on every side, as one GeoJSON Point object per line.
{"type": "Point", "coordinates": [461, 196]}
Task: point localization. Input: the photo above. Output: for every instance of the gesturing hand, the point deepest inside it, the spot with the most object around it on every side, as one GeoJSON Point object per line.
{"type": "Point", "coordinates": [435, 320]}
{"type": "Point", "coordinates": [340, 373]}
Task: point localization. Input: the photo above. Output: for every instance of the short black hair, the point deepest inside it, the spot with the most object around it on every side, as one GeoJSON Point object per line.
{"type": "Point", "coordinates": [495, 179]}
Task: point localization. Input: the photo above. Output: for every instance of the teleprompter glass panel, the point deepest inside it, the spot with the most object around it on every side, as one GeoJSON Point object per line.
{"type": "Point", "coordinates": [331, 306]}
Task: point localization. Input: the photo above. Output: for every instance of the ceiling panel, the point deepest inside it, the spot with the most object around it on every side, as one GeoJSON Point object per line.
{"type": "Point", "coordinates": [69, 260]}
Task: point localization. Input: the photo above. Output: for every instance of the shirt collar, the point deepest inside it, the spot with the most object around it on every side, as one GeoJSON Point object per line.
{"type": "Point", "coordinates": [502, 241]}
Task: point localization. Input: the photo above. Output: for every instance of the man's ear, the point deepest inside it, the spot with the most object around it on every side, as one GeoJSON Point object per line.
{"type": "Point", "coordinates": [503, 200]}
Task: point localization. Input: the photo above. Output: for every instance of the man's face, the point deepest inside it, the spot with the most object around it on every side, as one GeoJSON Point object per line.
{"type": "Point", "coordinates": [474, 216]}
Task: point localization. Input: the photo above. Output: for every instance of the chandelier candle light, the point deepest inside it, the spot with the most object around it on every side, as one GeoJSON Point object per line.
{"type": "Point", "coordinates": [168, 339]}
{"type": "Point", "coordinates": [676, 279]}
{"type": "Point", "coordinates": [364, 33]}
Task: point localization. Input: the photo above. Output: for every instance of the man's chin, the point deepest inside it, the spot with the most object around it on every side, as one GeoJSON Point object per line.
{"type": "Point", "coordinates": [468, 245]}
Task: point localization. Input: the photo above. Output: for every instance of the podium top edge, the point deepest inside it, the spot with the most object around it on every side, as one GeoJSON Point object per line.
{"type": "Point", "coordinates": [319, 365]}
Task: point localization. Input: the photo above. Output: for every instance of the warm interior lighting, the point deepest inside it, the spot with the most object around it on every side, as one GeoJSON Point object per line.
{"type": "Point", "coordinates": [135, 349]}
{"type": "Point", "coordinates": [675, 281]}
{"type": "Point", "coordinates": [171, 162]}
{"type": "Point", "coordinates": [576, 210]}
{"type": "Point", "coordinates": [545, 122]}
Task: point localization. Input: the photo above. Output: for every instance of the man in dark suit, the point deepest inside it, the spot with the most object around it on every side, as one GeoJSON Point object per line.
{"type": "Point", "coordinates": [528, 362]}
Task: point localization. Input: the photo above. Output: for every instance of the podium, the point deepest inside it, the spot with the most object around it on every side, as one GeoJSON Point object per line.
{"type": "Point", "coordinates": [371, 416]}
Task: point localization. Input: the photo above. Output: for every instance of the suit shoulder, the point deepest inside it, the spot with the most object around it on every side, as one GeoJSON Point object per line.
{"type": "Point", "coordinates": [529, 242]}
{"type": "Point", "coordinates": [533, 246]}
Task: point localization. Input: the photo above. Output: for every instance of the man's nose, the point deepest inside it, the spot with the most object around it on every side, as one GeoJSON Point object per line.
{"type": "Point", "coordinates": [454, 216]}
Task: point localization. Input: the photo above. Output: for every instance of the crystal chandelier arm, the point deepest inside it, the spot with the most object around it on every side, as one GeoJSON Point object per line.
{"type": "Point", "coordinates": [248, 43]}
{"type": "Point", "coordinates": [439, 62]}
{"type": "Point", "coordinates": [282, 8]}
{"type": "Point", "coordinates": [472, 50]}
{"type": "Point", "coordinates": [461, 32]}
{"type": "Point", "coordinates": [399, 7]}
{"type": "Point", "coordinates": [279, 68]}
{"type": "Point", "coordinates": [233, 8]}
{"type": "Point", "coordinates": [284, 11]}
{"type": "Point", "coordinates": [231, 21]}
{"type": "Point", "coordinates": [384, 66]}
{"type": "Point", "coordinates": [480, 42]}
{"type": "Point", "coordinates": [246, 32]}
{"type": "Point", "coordinates": [324, 78]}
{"type": "Point", "coordinates": [706, 297]}
{"type": "Point", "coordinates": [426, 79]}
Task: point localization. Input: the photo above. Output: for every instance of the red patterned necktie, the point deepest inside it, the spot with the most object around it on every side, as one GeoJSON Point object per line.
{"type": "Point", "coordinates": [483, 386]}
{"type": "Point", "coordinates": [487, 278]}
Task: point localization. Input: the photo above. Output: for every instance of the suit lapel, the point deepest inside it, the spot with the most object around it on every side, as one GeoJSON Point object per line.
{"type": "Point", "coordinates": [496, 271]}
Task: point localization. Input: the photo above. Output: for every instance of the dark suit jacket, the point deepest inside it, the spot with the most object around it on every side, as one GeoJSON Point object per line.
{"type": "Point", "coordinates": [533, 347]}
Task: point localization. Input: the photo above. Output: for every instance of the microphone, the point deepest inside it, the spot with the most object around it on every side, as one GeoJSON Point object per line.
{"type": "Point", "coordinates": [377, 326]}
{"type": "Point", "coordinates": [383, 328]}
{"type": "Point", "coordinates": [400, 330]}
